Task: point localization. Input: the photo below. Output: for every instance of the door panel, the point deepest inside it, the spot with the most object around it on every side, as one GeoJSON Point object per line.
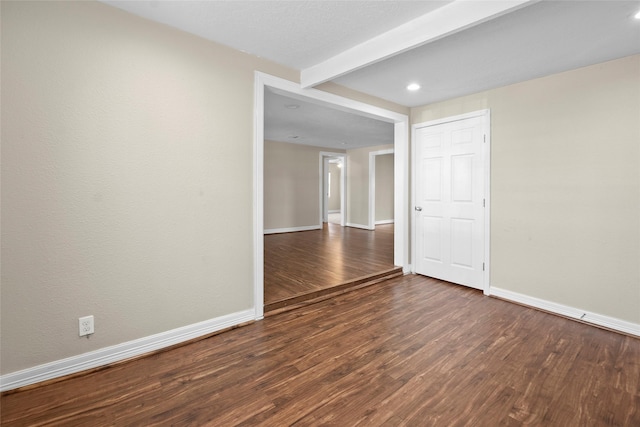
{"type": "Point", "coordinates": [462, 243]}
{"type": "Point", "coordinates": [432, 170]}
{"type": "Point", "coordinates": [449, 201]}
{"type": "Point", "coordinates": [462, 178]}
{"type": "Point", "coordinates": [433, 241]}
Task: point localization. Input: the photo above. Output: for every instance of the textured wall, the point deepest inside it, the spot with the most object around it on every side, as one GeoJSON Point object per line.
{"type": "Point", "coordinates": [565, 185]}
{"type": "Point", "coordinates": [126, 178]}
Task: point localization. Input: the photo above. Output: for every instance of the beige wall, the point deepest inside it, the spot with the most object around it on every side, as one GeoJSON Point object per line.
{"type": "Point", "coordinates": [333, 202]}
{"type": "Point", "coordinates": [384, 187]}
{"type": "Point", "coordinates": [565, 185]}
{"type": "Point", "coordinates": [126, 178]}
{"type": "Point", "coordinates": [358, 184]}
{"type": "Point", "coordinates": [291, 185]}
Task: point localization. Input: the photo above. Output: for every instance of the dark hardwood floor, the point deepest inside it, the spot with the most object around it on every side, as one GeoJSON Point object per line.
{"type": "Point", "coordinates": [307, 264]}
{"type": "Point", "coordinates": [409, 351]}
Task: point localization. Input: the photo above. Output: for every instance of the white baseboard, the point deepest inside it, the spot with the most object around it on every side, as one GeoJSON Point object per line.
{"type": "Point", "coordinates": [572, 312]}
{"type": "Point", "coordinates": [292, 229]}
{"type": "Point", "coordinates": [384, 221]}
{"type": "Point", "coordinates": [334, 211]}
{"type": "Point", "coordinates": [364, 227]}
{"type": "Point", "coordinates": [116, 353]}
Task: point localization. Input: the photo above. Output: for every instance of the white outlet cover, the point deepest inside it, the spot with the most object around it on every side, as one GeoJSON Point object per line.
{"type": "Point", "coordinates": [85, 326]}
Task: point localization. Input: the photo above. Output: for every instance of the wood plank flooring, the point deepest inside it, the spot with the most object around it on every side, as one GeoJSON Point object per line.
{"type": "Point", "coordinates": [309, 263]}
{"type": "Point", "coordinates": [410, 351]}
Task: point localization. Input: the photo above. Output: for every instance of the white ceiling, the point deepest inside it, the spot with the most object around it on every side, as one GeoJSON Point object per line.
{"type": "Point", "coordinates": [295, 33]}
{"type": "Point", "coordinates": [544, 38]}
{"type": "Point", "coordinates": [312, 123]}
{"type": "Point", "coordinates": [452, 48]}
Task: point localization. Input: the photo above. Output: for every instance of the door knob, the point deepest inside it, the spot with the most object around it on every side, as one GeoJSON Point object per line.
{"type": "Point", "coordinates": [418, 208]}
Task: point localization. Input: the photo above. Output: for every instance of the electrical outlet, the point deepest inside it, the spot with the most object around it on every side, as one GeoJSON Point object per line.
{"type": "Point", "coordinates": [85, 325]}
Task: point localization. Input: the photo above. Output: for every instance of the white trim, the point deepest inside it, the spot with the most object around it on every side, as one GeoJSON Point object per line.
{"type": "Point", "coordinates": [362, 226]}
{"type": "Point", "coordinates": [333, 211]}
{"type": "Point", "coordinates": [384, 221]}
{"type": "Point", "coordinates": [292, 229]}
{"type": "Point", "coordinates": [568, 311]}
{"type": "Point", "coordinates": [401, 200]}
{"type": "Point", "coordinates": [413, 198]}
{"type": "Point", "coordinates": [486, 114]}
{"type": "Point", "coordinates": [487, 207]}
{"type": "Point", "coordinates": [258, 197]}
{"type": "Point", "coordinates": [324, 192]}
{"type": "Point", "coordinates": [450, 119]}
{"type": "Point", "coordinates": [401, 147]}
{"type": "Point", "coordinates": [119, 352]}
{"type": "Point", "coordinates": [372, 184]}
{"type": "Point", "coordinates": [447, 20]}
{"type": "Point", "coordinates": [324, 157]}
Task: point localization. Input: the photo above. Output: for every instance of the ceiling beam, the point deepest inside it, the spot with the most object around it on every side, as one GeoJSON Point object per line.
{"type": "Point", "coordinates": [449, 19]}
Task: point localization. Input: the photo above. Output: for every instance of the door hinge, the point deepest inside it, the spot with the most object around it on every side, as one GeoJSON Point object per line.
{"type": "Point", "coordinates": [484, 138]}
{"type": "Point", "coordinates": [483, 266]}
{"type": "Point", "coordinates": [484, 203]}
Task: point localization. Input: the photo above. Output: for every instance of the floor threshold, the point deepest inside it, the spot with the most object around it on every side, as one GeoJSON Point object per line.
{"type": "Point", "coordinates": [323, 294]}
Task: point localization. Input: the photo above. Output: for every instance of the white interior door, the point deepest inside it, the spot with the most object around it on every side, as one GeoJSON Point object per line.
{"type": "Point", "coordinates": [449, 201]}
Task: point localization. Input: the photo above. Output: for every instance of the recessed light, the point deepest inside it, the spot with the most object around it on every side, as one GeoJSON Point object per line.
{"type": "Point", "coordinates": [292, 106]}
{"type": "Point", "coordinates": [637, 15]}
{"type": "Point", "coordinates": [413, 87]}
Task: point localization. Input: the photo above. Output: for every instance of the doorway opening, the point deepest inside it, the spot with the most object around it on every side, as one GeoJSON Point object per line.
{"type": "Point", "coordinates": [333, 201]}
{"type": "Point", "coordinates": [401, 168]}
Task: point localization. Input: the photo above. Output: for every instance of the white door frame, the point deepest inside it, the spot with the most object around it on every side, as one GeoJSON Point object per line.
{"type": "Point", "coordinates": [486, 114]}
{"type": "Point", "coordinates": [372, 185]}
{"type": "Point", "coordinates": [401, 165]}
{"type": "Point", "coordinates": [324, 160]}
{"type": "Point", "coordinates": [325, 186]}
